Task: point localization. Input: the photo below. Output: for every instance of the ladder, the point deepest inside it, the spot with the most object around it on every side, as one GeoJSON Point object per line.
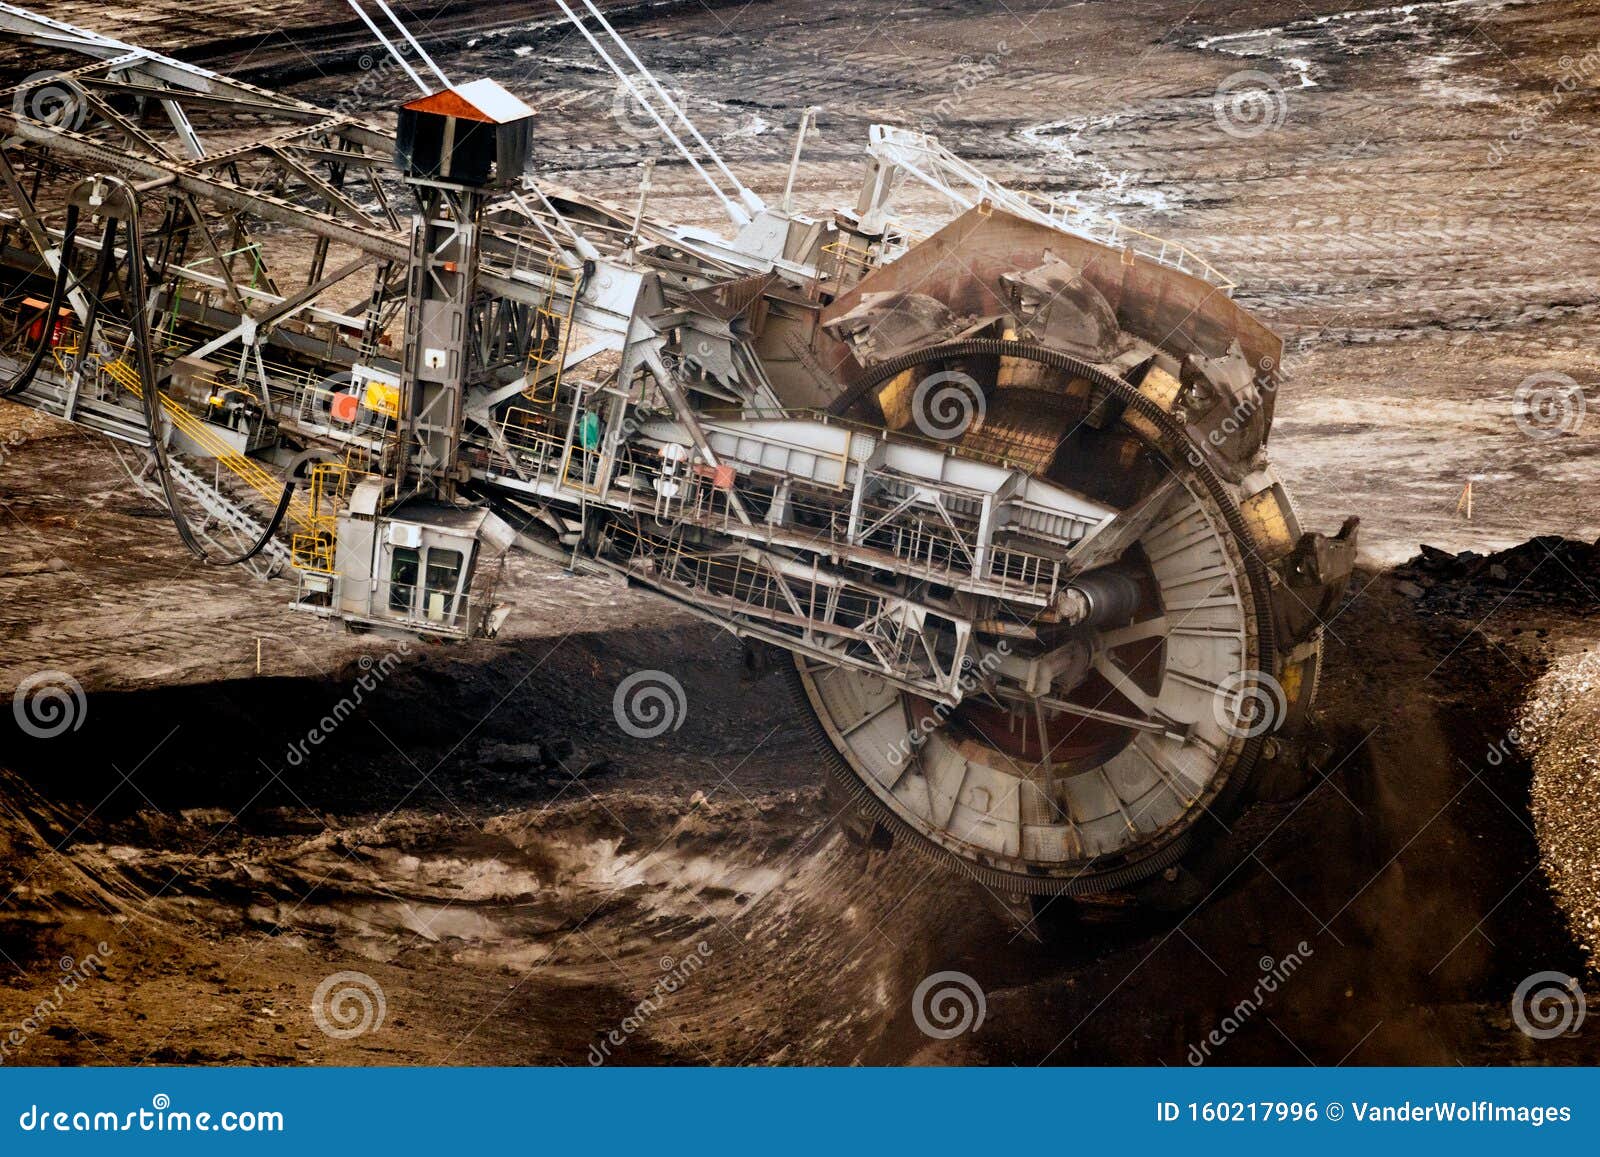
{"type": "Point", "coordinates": [552, 334]}
{"type": "Point", "coordinates": [314, 547]}
{"type": "Point", "coordinates": [251, 473]}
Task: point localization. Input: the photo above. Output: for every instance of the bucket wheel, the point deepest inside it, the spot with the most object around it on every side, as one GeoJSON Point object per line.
{"type": "Point", "coordinates": [1105, 744]}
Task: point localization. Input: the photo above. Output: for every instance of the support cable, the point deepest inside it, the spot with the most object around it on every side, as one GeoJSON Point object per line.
{"type": "Point", "coordinates": [399, 57]}
{"type": "Point", "coordinates": [750, 200]}
{"type": "Point", "coordinates": [736, 211]}
{"type": "Point", "coordinates": [412, 40]}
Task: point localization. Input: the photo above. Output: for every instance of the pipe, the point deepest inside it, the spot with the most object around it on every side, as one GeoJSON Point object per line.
{"type": "Point", "coordinates": [135, 295]}
{"type": "Point", "coordinates": [58, 293]}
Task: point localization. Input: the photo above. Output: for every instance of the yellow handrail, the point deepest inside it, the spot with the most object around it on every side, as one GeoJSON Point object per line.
{"type": "Point", "coordinates": [247, 470]}
{"type": "Point", "coordinates": [314, 550]}
{"type": "Point", "coordinates": [538, 360]}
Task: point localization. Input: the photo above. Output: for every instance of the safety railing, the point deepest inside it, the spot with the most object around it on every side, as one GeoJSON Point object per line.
{"type": "Point", "coordinates": [852, 261]}
{"type": "Point", "coordinates": [315, 547]}
{"type": "Point", "coordinates": [423, 607]}
{"type": "Point", "coordinates": [551, 338]}
{"type": "Point", "coordinates": [248, 471]}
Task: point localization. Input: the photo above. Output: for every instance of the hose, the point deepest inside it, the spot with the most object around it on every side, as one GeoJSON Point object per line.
{"type": "Point", "coordinates": [58, 294]}
{"type": "Point", "coordinates": [134, 295]}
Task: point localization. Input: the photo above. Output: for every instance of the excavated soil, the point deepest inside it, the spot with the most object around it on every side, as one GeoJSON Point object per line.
{"type": "Point", "coordinates": [517, 881]}
{"type": "Point", "coordinates": [1561, 728]}
{"type": "Point", "coordinates": [520, 879]}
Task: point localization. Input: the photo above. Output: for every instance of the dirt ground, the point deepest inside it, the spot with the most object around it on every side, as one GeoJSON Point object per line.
{"type": "Point", "coordinates": [483, 844]}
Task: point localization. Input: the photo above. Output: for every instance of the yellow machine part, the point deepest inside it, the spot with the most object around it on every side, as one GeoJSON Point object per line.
{"type": "Point", "coordinates": [1162, 389]}
{"type": "Point", "coordinates": [382, 398]}
{"type": "Point", "coordinates": [1268, 515]}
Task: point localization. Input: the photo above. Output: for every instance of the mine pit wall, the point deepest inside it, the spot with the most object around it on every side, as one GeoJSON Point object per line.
{"type": "Point", "coordinates": [1560, 728]}
{"type": "Point", "coordinates": [433, 702]}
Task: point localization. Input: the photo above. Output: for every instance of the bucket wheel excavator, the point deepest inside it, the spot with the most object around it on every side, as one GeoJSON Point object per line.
{"type": "Point", "coordinates": [1114, 728]}
{"type": "Point", "coordinates": [994, 498]}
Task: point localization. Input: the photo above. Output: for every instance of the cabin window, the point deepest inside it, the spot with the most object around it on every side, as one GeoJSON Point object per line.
{"type": "Point", "coordinates": [403, 568]}
{"type": "Point", "coordinates": [444, 572]}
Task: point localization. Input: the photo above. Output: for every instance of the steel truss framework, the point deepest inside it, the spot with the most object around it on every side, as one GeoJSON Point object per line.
{"type": "Point", "coordinates": [655, 401]}
{"type": "Point", "coordinates": [283, 251]}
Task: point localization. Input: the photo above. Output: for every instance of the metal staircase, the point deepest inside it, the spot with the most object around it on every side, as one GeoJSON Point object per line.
{"type": "Point", "coordinates": [552, 333]}
{"type": "Point", "coordinates": [225, 512]}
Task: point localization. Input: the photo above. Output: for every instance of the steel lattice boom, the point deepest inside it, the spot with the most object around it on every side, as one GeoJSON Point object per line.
{"type": "Point", "coordinates": [1012, 516]}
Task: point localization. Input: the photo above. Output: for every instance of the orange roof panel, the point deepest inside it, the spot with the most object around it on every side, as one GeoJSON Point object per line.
{"type": "Point", "coordinates": [483, 101]}
{"type": "Point", "coordinates": [447, 102]}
